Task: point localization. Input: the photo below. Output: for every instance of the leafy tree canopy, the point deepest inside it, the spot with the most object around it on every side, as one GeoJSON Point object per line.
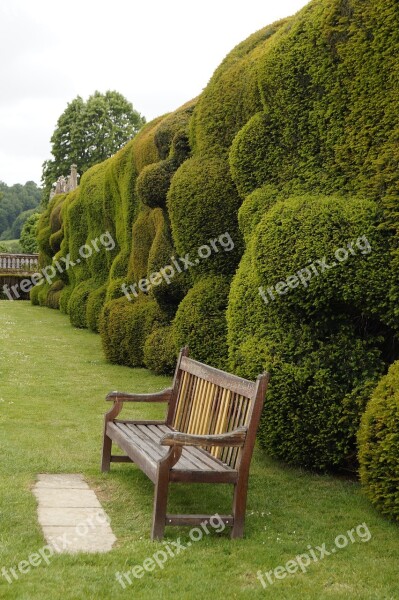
{"type": "Point", "coordinates": [16, 204]}
{"type": "Point", "coordinates": [89, 132]}
{"type": "Point", "coordinates": [28, 241]}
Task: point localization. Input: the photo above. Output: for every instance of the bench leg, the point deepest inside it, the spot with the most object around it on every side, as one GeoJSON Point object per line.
{"type": "Point", "coordinates": [239, 507]}
{"type": "Point", "coordinates": [160, 504]}
{"type": "Point", "coordinates": [106, 458]}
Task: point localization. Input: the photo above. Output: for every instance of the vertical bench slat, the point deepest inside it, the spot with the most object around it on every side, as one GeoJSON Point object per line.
{"type": "Point", "coordinates": [196, 406]}
{"type": "Point", "coordinates": [200, 422]}
{"type": "Point", "coordinates": [237, 421]}
{"type": "Point", "coordinates": [210, 400]}
{"type": "Point", "coordinates": [222, 419]}
{"type": "Point", "coordinates": [185, 399]}
{"type": "Point", "coordinates": [180, 402]}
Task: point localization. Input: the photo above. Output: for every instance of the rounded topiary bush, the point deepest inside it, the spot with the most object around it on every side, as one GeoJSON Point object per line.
{"type": "Point", "coordinates": [203, 205]}
{"type": "Point", "coordinates": [318, 392]}
{"type": "Point", "coordinates": [172, 125]}
{"type": "Point", "coordinates": [153, 183]}
{"type": "Point", "coordinates": [54, 294]}
{"type": "Point", "coordinates": [160, 351]}
{"type": "Point", "coordinates": [200, 321]}
{"type": "Point", "coordinates": [34, 295]}
{"type": "Point", "coordinates": [379, 445]}
{"type": "Point", "coordinates": [78, 303]}
{"type": "Point", "coordinates": [337, 250]}
{"type": "Point", "coordinates": [125, 326]}
{"type": "Point", "coordinates": [42, 294]}
{"type": "Point", "coordinates": [255, 154]}
{"type": "Point", "coordinates": [255, 206]}
{"type": "Point", "coordinates": [56, 240]}
{"type": "Point", "coordinates": [143, 237]}
{"type": "Point", "coordinates": [181, 148]}
{"type": "Point", "coordinates": [326, 341]}
{"type": "Point", "coordinates": [64, 298]}
{"type": "Point", "coordinates": [171, 286]}
{"type": "Point", "coordinates": [94, 307]}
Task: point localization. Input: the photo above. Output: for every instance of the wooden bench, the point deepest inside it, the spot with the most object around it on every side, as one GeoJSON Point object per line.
{"type": "Point", "coordinates": [208, 436]}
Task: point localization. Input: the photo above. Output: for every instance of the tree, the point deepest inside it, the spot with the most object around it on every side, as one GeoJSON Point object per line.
{"type": "Point", "coordinates": [28, 238]}
{"type": "Point", "coordinates": [15, 203]}
{"type": "Point", "coordinates": [89, 132]}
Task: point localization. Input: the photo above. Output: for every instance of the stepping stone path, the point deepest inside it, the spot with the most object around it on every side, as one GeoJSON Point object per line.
{"type": "Point", "coordinates": [71, 515]}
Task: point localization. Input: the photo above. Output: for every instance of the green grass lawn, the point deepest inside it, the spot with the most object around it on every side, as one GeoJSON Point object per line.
{"type": "Point", "coordinates": [53, 383]}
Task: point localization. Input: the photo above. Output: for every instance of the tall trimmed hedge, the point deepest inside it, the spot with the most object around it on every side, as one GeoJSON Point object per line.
{"type": "Point", "coordinates": [379, 445]}
{"type": "Point", "coordinates": [125, 326]}
{"type": "Point", "coordinates": [200, 321]}
{"type": "Point", "coordinates": [292, 150]}
{"type": "Point", "coordinates": [326, 338]}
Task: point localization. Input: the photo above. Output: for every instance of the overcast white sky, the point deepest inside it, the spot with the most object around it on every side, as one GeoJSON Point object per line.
{"type": "Point", "coordinates": [157, 53]}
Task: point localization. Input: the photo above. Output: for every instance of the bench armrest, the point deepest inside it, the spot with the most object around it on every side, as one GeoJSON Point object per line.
{"type": "Point", "coordinates": [163, 396]}
{"type": "Point", "coordinates": [231, 438]}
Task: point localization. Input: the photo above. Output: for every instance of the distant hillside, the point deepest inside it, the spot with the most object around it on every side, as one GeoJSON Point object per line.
{"type": "Point", "coordinates": [17, 203]}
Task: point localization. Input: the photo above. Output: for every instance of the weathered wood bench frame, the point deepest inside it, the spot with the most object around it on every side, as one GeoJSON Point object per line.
{"type": "Point", "coordinates": [208, 436]}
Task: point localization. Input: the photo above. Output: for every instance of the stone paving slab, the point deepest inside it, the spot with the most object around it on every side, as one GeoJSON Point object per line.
{"type": "Point", "coordinates": [73, 540]}
{"type": "Point", "coordinates": [75, 498]}
{"type": "Point", "coordinates": [71, 515]}
{"type": "Point", "coordinates": [61, 481]}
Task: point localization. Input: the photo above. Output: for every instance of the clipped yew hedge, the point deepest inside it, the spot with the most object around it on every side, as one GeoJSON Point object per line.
{"type": "Point", "coordinates": [326, 340]}
{"type": "Point", "coordinates": [200, 321]}
{"type": "Point", "coordinates": [379, 445]}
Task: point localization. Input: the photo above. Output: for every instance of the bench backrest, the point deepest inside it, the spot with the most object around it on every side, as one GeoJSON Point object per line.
{"type": "Point", "coordinates": [209, 401]}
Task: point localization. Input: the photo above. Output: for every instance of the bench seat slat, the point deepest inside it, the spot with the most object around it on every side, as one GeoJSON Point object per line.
{"type": "Point", "coordinates": [210, 461]}
{"type": "Point", "coordinates": [146, 464]}
{"type": "Point", "coordinates": [154, 437]}
{"type": "Point", "coordinates": [198, 458]}
{"type": "Point", "coordinates": [141, 444]}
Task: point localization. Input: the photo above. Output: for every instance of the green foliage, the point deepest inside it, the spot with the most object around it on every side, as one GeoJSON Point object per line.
{"type": "Point", "coordinates": [89, 132]}
{"type": "Point", "coordinates": [203, 205]}
{"type": "Point", "coordinates": [34, 295]}
{"type": "Point", "coordinates": [329, 118]}
{"type": "Point", "coordinates": [78, 302]}
{"type": "Point", "coordinates": [95, 303]}
{"type": "Point", "coordinates": [154, 181]}
{"type": "Point", "coordinates": [54, 294]}
{"type": "Point", "coordinates": [16, 204]}
{"type": "Point", "coordinates": [28, 239]}
{"type": "Point", "coordinates": [152, 251]}
{"type": "Point", "coordinates": [231, 97]}
{"type": "Point", "coordinates": [160, 351]}
{"type": "Point", "coordinates": [379, 445]}
{"type": "Point", "coordinates": [125, 326]}
{"type": "Point", "coordinates": [171, 136]}
{"type": "Point", "coordinates": [11, 247]}
{"type": "Point", "coordinates": [200, 321]}
{"type": "Point", "coordinates": [327, 341]}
